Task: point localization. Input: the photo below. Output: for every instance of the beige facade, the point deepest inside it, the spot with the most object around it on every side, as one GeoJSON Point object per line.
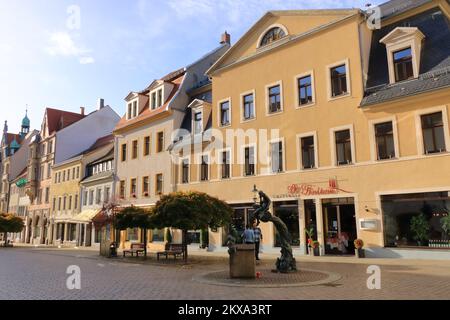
{"type": "Point", "coordinates": [347, 181]}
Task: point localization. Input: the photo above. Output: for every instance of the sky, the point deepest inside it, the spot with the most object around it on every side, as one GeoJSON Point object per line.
{"type": "Point", "coordinates": [67, 54]}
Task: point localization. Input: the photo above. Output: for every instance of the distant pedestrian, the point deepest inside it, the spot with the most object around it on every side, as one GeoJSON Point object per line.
{"type": "Point", "coordinates": [258, 238]}
{"type": "Point", "coordinates": [249, 235]}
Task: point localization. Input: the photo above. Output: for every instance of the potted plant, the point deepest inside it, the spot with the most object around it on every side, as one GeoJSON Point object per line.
{"type": "Point", "coordinates": [316, 248]}
{"type": "Point", "coordinates": [310, 234]}
{"type": "Point", "coordinates": [445, 225]}
{"type": "Point", "coordinates": [420, 227]}
{"type": "Point", "coordinates": [359, 251]}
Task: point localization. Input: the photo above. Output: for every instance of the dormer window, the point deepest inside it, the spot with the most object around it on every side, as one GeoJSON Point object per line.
{"type": "Point", "coordinates": [403, 65]}
{"type": "Point", "coordinates": [404, 48]}
{"type": "Point", "coordinates": [272, 35]}
{"type": "Point", "coordinates": [157, 98]}
{"type": "Point", "coordinates": [132, 110]}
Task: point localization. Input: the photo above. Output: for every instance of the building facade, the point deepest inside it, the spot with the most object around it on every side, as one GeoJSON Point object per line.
{"type": "Point", "coordinates": [343, 126]}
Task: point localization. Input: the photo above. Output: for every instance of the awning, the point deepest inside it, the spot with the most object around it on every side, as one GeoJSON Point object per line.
{"type": "Point", "coordinates": [86, 215]}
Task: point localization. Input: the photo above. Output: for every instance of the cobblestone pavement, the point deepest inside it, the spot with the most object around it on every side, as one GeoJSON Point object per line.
{"type": "Point", "coordinates": [41, 274]}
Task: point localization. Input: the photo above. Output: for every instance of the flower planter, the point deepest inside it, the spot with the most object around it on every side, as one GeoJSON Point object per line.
{"type": "Point", "coordinates": [360, 253]}
{"type": "Point", "coordinates": [317, 252]}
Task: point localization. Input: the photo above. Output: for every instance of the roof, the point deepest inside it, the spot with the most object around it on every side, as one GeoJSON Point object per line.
{"type": "Point", "coordinates": [435, 62]}
{"type": "Point", "coordinates": [60, 119]}
{"type": "Point", "coordinates": [146, 112]}
{"type": "Point", "coordinates": [11, 137]}
{"type": "Point", "coordinates": [395, 7]}
{"type": "Point", "coordinates": [97, 177]}
{"type": "Point", "coordinates": [101, 142]}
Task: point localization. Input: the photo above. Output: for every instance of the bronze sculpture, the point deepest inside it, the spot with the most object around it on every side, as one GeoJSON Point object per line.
{"type": "Point", "coordinates": [287, 262]}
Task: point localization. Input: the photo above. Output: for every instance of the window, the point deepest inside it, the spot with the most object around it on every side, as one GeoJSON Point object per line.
{"type": "Point", "coordinates": [160, 98]}
{"type": "Point", "coordinates": [54, 204]}
{"type": "Point", "coordinates": [133, 234]}
{"type": "Point", "coordinates": [158, 235]}
{"type": "Point", "coordinates": [134, 152]}
{"type": "Point", "coordinates": [225, 113]}
{"type": "Point", "coordinates": [49, 170]}
{"type": "Point", "coordinates": [249, 107]}
{"type": "Point", "coordinates": [403, 65]}
{"type": "Point", "coordinates": [226, 165]}
{"type": "Point", "coordinates": [78, 172]}
{"type": "Point", "coordinates": [107, 194]}
{"type": "Point", "coordinates": [98, 198]}
{"type": "Point", "coordinates": [135, 109]}
{"type": "Point", "coordinates": [272, 35]}
{"type": "Point", "coordinates": [145, 186]}
{"type": "Point", "coordinates": [41, 173]}
{"type": "Point", "coordinates": [274, 99]}
{"type": "Point", "coordinates": [47, 195]}
{"type": "Point", "coordinates": [305, 94]}
{"type": "Point", "coordinates": [339, 81]}
{"type": "Point", "coordinates": [204, 168]}
{"type": "Point", "coordinates": [75, 204]}
{"type": "Point", "coordinates": [198, 122]}
{"type": "Point", "coordinates": [59, 203]}
{"type": "Point", "coordinates": [130, 111]}
{"type": "Point", "coordinates": [159, 184]}
{"type": "Point", "coordinates": [70, 203]}
{"type": "Point", "coordinates": [146, 146]}
{"type": "Point", "coordinates": [122, 189]}
{"type": "Point", "coordinates": [288, 212]}
{"type": "Point", "coordinates": [50, 147]}
{"type": "Point", "coordinates": [91, 197]}
{"type": "Point", "coordinates": [384, 136]}
{"type": "Point", "coordinates": [343, 147]}
{"type": "Point", "coordinates": [85, 198]}
{"type": "Point", "coordinates": [64, 203]}
{"type": "Point", "coordinates": [124, 153]}
{"type": "Point", "coordinates": [133, 189]}
{"type": "Point", "coordinates": [185, 171]}
{"type": "Point", "coordinates": [433, 133]}
{"type": "Point", "coordinates": [249, 160]}
{"type": "Point", "coordinates": [308, 152]}
{"type": "Point", "coordinates": [73, 173]}
{"type": "Point", "coordinates": [153, 100]}
{"type": "Point", "coordinates": [276, 156]}
{"type": "Point", "coordinates": [160, 144]}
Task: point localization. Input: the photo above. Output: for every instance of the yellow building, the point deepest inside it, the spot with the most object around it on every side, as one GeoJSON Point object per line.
{"type": "Point", "coordinates": [357, 139]}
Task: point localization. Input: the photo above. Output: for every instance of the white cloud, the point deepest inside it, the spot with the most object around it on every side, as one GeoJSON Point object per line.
{"type": "Point", "coordinates": [63, 44]}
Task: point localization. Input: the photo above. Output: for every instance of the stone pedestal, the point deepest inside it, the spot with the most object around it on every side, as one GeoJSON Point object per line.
{"type": "Point", "coordinates": [242, 261]}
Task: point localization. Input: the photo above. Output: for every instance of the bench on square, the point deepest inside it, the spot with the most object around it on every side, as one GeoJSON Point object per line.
{"type": "Point", "coordinates": [136, 248]}
{"type": "Point", "coordinates": [174, 250]}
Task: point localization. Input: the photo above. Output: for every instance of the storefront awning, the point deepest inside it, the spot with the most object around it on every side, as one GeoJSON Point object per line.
{"type": "Point", "coordinates": [86, 216]}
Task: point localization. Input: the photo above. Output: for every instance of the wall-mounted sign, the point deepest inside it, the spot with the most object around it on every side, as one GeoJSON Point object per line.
{"type": "Point", "coordinates": [310, 190]}
{"type": "Point", "coordinates": [368, 224]}
{"type": "Point", "coordinates": [22, 182]}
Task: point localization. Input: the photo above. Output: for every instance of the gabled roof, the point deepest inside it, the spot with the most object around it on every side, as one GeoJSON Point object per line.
{"type": "Point", "coordinates": [434, 71]}
{"type": "Point", "coordinates": [11, 137]}
{"type": "Point", "coordinates": [401, 32]}
{"type": "Point", "coordinates": [101, 142]}
{"type": "Point", "coordinates": [60, 119]}
{"type": "Point", "coordinates": [146, 113]}
{"type": "Point", "coordinates": [395, 7]}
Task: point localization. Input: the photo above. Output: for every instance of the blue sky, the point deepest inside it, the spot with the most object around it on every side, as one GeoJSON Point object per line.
{"type": "Point", "coordinates": [50, 58]}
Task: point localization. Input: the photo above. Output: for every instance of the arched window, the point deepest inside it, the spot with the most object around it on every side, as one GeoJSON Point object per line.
{"type": "Point", "coordinates": [272, 35]}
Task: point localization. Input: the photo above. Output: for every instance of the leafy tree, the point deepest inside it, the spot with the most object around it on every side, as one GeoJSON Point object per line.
{"type": "Point", "coordinates": [133, 217]}
{"type": "Point", "coordinates": [9, 223]}
{"type": "Point", "coordinates": [190, 211]}
{"type": "Point", "coordinates": [420, 227]}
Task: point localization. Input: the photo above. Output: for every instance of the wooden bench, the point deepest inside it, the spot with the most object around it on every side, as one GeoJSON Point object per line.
{"type": "Point", "coordinates": [135, 248]}
{"type": "Point", "coordinates": [174, 250]}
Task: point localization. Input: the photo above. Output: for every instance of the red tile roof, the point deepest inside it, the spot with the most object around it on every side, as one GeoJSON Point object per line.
{"type": "Point", "coordinates": [146, 112]}
{"type": "Point", "coordinates": [101, 142]}
{"type": "Point", "coordinates": [10, 138]}
{"type": "Point", "coordinates": [59, 119]}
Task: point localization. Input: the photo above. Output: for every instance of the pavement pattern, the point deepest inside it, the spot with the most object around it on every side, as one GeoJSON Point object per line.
{"type": "Point", "coordinates": [40, 274]}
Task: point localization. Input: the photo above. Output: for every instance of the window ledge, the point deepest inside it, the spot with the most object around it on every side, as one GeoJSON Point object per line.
{"type": "Point", "coordinates": [306, 106]}
{"type": "Point", "coordinates": [271, 114]}
{"type": "Point", "coordinates": [346, 95]}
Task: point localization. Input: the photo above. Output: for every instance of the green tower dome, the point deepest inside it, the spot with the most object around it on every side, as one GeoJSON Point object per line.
{"type": "Point", "coordinates": [26, 122]}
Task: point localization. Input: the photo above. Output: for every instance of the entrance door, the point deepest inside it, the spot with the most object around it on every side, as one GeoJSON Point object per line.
{"type": "Point", "coordinates": [339, 226]}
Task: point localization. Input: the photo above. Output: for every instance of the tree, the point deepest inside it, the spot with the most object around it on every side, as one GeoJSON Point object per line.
{"type": "Point", "coordinates": [133, 217]}
{"type": "Point", "coordinates": [420, 227]}
{"type": "Point", "coordinates": [9, 223]}
{"type": "Point", "coordinates": [190, 211]}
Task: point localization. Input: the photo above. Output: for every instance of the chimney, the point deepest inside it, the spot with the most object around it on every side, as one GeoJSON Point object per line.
{"type": "Point", "coordinates": [82, 111]}
{"type": "Point", "coordinates": [100, 103]}
{"type": "Point", "coordinates": [226, 38]}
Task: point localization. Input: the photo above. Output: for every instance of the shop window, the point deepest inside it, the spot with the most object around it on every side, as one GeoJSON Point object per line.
{"type": "Point", "coordinates": [433, 133]}
{"type": "Point", "coordinates": [288, 212]}
{"type": "Point", "coordinates": [133, 234]}
{"type": "Point", "coordinates": [158, 235]}
{"type": "Point", "coordinates": [384, 135]}
{"type": "Point", "coordinates": [193, 237]}
{"type": "Point", "coordinates": [417, 220]}
{"type": "Point", "coordinates": [241, 217]}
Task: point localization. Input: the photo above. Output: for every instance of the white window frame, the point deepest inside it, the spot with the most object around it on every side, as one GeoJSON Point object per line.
{"type": "Point", "coordinates": [266, 92]}
{"type": "Point", "coordinates": [194, 112]}
{"type": "Point", "coordinates": [242, 95]}
{"type": "Point", "coordinates": [188, 158]}
{"type": "Point", "coordinates": [219, 112]}
{"type": "Point", "coordinates": [299, 138]}
{"type": "Point", "coordinates": [219, 162]}
{"type": "Point", "coordinates": [296, 91]}
{"type": "Point", "coordinates": [345, 62]}
{"type": "Point", "coordinates": [276, 25]}
{"type": "Point", "coordinates": [333, 145]}
{"type": "Point", "coordinates": [269, 155]}
{"type": "Point", "coordinates": [373, 141]}
{"type": "Point", "coordinates": [242, 162]}
{"type": "Point", "coordinates": [156, 90]}
{"type": "Point", "coordinates": [419, 135]}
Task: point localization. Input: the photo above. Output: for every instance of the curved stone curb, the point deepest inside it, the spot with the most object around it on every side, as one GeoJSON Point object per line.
{"type": "Point", "coordinates": [332, 277]}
